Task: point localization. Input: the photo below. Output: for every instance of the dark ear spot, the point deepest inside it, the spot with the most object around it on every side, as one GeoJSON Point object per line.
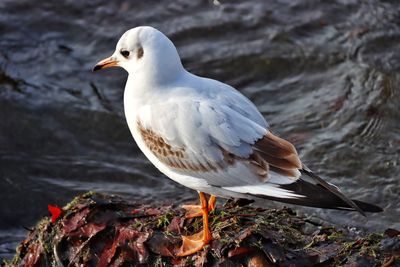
{"type": "Point", "coordinates": [139, 52]}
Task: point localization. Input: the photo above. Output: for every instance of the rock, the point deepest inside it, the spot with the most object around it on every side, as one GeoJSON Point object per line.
{"type": "Point", "coordinates": [102, 230]}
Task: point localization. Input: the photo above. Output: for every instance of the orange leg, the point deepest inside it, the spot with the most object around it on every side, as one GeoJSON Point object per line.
{"type": "Point", "coordinates": [196, 210]}
{"type": "Point", "coordinates": [212, 201]}
{"type": "Point", "coordinates": [192, 244]}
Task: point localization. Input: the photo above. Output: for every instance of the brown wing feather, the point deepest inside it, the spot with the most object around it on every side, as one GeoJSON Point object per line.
{"type": "Point", "coordinates": [280, 154]}
{"type": "Point", "coordinates": [175, 158]}
{"type": "Point", "coordinates": [271, 153]}
{"type": "Point", "coordinates": [275, 146]}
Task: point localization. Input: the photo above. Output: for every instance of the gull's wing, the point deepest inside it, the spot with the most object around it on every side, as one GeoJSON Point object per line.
{"type": "Point", "coordinates": [204, 139]}
{"type": "Point", "coordinates": [214, 141]}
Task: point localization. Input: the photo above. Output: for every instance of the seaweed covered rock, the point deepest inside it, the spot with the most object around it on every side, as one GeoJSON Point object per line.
{"type": "Point", "coordinates": [102, 230]}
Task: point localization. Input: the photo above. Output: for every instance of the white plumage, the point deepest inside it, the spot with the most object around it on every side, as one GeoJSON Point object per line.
{"type": "Point", "coordinates": [206, 135]}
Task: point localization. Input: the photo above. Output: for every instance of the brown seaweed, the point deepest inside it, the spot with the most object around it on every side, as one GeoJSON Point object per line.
{"type": "Point", "coordinates": [102, 230]}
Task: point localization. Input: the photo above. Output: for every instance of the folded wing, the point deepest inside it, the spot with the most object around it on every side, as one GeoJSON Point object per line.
{"type": "Point", "coordinates": [216, 142]}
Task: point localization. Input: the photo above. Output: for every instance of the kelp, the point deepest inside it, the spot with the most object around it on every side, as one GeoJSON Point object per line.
{"type": "Point", "coordinates": [102, 230]}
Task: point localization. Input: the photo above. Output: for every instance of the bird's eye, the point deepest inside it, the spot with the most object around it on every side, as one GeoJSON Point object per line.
{"type": "Point", "coordinates": [125, 53]}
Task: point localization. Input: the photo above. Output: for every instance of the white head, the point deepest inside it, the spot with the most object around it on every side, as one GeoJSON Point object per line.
{"type": "Point", "coordinates": [145, 53]}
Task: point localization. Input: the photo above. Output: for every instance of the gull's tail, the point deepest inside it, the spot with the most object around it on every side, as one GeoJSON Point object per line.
{"type": "Point", "coordinates": [309, 190]}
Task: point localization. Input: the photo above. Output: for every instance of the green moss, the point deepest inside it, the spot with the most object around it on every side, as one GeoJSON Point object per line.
{"type": "Point", "coordinates": [72, 204]}
{"type": "Point", "coordinates": [335, 235]}
{"type": "Point", "coordinates": [312, 243]}
{"type": "Point", "coordinates": [347, 248]}
{"type": "Point", "coordinates": [367, 246]}
{"type": "Point", "coordinates": [371, 245]}
{"type": "Point", "coordinates": [164, 220]}
{"type": "Point", "coordinates": [78, 199]}
{"type": "Point", "coordinates": [138, 224]}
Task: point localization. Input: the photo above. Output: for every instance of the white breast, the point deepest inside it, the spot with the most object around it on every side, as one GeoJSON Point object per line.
{"type": "Point", "coordinates": [131, 106]}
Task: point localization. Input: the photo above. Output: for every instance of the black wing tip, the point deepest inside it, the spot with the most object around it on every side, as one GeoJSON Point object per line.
{"type": "Point", "coordinates": [321, 196]}
{"type": "Point", "coordinates": [363, 207]}
{"type": "Point", "coordinates": [351, 204]}
{"type": "Point", "coordinates": [367, 207]}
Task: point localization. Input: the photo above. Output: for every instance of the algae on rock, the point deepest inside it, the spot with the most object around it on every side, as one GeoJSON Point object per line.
{"type": "Point", "coordinates": [101, 230]}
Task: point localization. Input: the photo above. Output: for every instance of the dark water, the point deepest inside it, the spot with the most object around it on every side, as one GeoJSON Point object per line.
{"type": "Point", "coordinates": [325, 74]}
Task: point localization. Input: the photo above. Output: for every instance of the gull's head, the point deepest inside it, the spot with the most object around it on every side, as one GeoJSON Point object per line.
{"type": "Point", "coordinates": [144, 52]}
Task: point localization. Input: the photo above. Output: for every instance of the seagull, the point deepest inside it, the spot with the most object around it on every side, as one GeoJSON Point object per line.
{"type": "Point", "coordinates": [207, 136]}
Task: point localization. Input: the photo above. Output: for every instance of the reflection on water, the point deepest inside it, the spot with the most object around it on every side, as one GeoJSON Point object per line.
{"type": "Point", "coordinates": [325, 75]}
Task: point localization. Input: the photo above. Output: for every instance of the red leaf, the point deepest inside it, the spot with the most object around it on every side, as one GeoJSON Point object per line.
{"type": "Point", "coordinates": [135, 211]}
{"type": "Point", "coordinates": [153, 212]}
{"type": "Point", "coordinates": [106, 255]}
{"type": "Point", "coordinates": [161, 244]}
{"type": "Point", "coordinates": [176, 225]}
{"type": "Point", "coordinates": [34, 253]}
{"type": "Point", "coordinates": [392, 232]}
{"type": "Point", "coordinates": [77, 220]}
{"type": "Point", "coordinates": [55, 212]}
{"type": "Point", "coordinates": [123, 238]}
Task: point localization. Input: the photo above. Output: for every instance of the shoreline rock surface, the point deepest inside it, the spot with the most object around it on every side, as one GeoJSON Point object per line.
{"type": "Point", "coordinates": [102, 230]}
